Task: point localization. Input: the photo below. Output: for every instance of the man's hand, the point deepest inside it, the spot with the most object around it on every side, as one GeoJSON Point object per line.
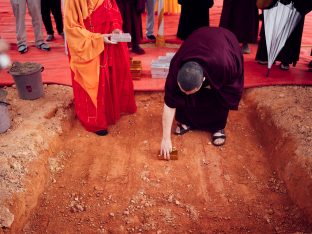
{"type": "Point", "coordinates": [166, 148]}
{"type": "Point", "coordinates": [107, 40]}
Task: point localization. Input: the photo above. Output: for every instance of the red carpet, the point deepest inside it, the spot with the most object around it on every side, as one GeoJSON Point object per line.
{"type": "Point", "coordinates": [57, 69]}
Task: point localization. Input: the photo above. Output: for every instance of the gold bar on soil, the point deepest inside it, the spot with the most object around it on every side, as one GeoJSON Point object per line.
{"type": "Point", "coordinates": [173, 155]}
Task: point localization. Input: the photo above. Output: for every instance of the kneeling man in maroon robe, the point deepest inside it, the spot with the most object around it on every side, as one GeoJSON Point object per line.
{"type": "Point", "coordinates": [205, 81]}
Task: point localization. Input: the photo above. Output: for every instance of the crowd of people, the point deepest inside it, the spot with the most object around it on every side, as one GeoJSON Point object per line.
{"type": "Point", "coordinates": [240, 17]}
{"type": "Point", "coordinates": [206, 75]}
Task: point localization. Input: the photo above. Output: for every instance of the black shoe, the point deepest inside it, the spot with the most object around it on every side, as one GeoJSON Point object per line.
{"type": "Point", "coordinates": [22, 49]}
{"type": "Point", "coordinates": [138, 50]}
{"type": "Point", "coordinates": [43, 46]}
{"type": "Point", "coordinates": [262, 62]}
{"type": "Point", "coordinates": [284, 66]}
{"type": "Point", "coordinates": [245, 49]}
{"type": "Point", "coordinates": [50, 37]}
{"type": "Point", "coordinates": [62, 35]}
{"type": "Point", "coordinates": [151, 37]}
{"type": "Point", "coordinates": [101, 132]}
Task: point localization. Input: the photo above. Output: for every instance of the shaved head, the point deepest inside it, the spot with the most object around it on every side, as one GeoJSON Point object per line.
{"type": "Point", "coordinates": [190, 76]}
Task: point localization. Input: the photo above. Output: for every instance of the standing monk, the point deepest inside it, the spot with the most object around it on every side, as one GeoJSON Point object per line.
{"type": "Point", "coordinates": [241, 18]}
{"type": "Point", "coordinates": [291, 51]}
{"type": "Point", "coordinates": [102, 84]}
{"type": "Point", "coordinates": [194, 14]}
{"type": "Point", "coordinates": [205, 81]}
{"type": "Point", "coordinates": [131, 11]}
{"type": "Point", "coordinates": [54, 6]}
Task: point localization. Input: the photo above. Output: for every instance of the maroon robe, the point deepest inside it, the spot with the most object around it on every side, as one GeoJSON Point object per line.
{"type": "Point", "coordinates": [132, 22]}
{"type": "Point", "coordinates": [194, 14]}
{"type": "Point", "coordinates": [218, 52]}
{"type": "Point", "coordinates": [241, 18]}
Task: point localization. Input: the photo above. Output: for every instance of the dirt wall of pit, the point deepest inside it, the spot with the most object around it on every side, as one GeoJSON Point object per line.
{"type": "Point", "coordinates": [25, 148]}
{"type": "Point", "coordinates": [23, 203]}
{"type": "Point", "coordinates": [286, 138]}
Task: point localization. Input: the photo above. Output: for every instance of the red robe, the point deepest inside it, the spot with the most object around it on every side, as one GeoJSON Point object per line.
{"type": "Point", "coordinates": [115, 89]}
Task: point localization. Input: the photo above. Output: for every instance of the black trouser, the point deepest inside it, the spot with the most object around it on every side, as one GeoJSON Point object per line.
{"type": "Point", "coordinates": [54, 6]}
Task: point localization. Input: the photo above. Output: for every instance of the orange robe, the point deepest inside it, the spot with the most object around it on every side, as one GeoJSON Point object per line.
{"type": "Point", "coordinates": [102, 85]}
{"type": "Point", "coordinates": [170, 7]}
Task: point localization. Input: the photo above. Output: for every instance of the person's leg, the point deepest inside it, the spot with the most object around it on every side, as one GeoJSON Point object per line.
{"type": "Point", "coordinates": [34, 8]}
{"type": "Point", "coordinates": [19, 11]}
{"type": "Point", "coordinates": [150, 6]}
{"type": "Point", "coordinates": [124, 8]}
{"type": "Point", "coordinates": [136, 30]}
{"type": "Point", "coordinates": [183, 23]}
{"type": "Point", "coordinates": [226, 18]}
{"type": "Point", "coordinates": [245, 48]}
{"type": "Point", "coordinates": [261, 55]}
{"type": "Point", "coordinates": [46, 18]}
{"type": "Point", "coordinates": [57, 14]}
{"type": "Point", "coordinates": [291, 50]}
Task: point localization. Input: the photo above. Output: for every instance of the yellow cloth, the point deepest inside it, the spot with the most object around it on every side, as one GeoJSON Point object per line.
{"type": "Point", "coordinates": [84, 46]}
{"type": "Point", "coordinates": [171, 6]}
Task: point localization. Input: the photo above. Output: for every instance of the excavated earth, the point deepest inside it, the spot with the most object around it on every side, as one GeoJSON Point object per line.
{"type": "Point", "coordinates": [57, 178]}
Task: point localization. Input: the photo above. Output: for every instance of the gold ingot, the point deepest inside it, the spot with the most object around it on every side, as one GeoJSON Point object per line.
{"type": "Point", "coordinates": [173, 155]}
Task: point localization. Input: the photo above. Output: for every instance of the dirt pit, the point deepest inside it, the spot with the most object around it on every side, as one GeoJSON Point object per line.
{"type": "Point", "coordinates": [83, 183]}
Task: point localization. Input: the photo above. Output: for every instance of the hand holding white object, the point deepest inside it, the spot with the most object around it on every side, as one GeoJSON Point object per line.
{"type": "Point", "coordinates": [107, 40]}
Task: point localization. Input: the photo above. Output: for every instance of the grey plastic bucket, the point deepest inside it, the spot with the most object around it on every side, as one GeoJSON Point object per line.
{"type": "Point", "coordinates": [5, 121]}
{"type": "Point", "coordinates": [29, 86]}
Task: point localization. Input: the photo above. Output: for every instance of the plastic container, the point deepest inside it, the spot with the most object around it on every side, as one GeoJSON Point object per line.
{"type": "Point", "coordinates": [5, 121]}
{"type": "Point", "coordinates": [159, 68]}
{"type": "Point", "coordinates": [170, 54]}
{"type": "Point", "coordinates": [28, 83]}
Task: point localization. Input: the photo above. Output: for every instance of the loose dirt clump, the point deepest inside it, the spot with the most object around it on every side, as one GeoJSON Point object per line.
{"type": "Point", "coordinates": [26, 68]}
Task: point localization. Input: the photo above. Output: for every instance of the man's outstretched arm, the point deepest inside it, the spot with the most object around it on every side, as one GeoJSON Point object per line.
{"type": "Point", "coordinates": [167, 119]}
